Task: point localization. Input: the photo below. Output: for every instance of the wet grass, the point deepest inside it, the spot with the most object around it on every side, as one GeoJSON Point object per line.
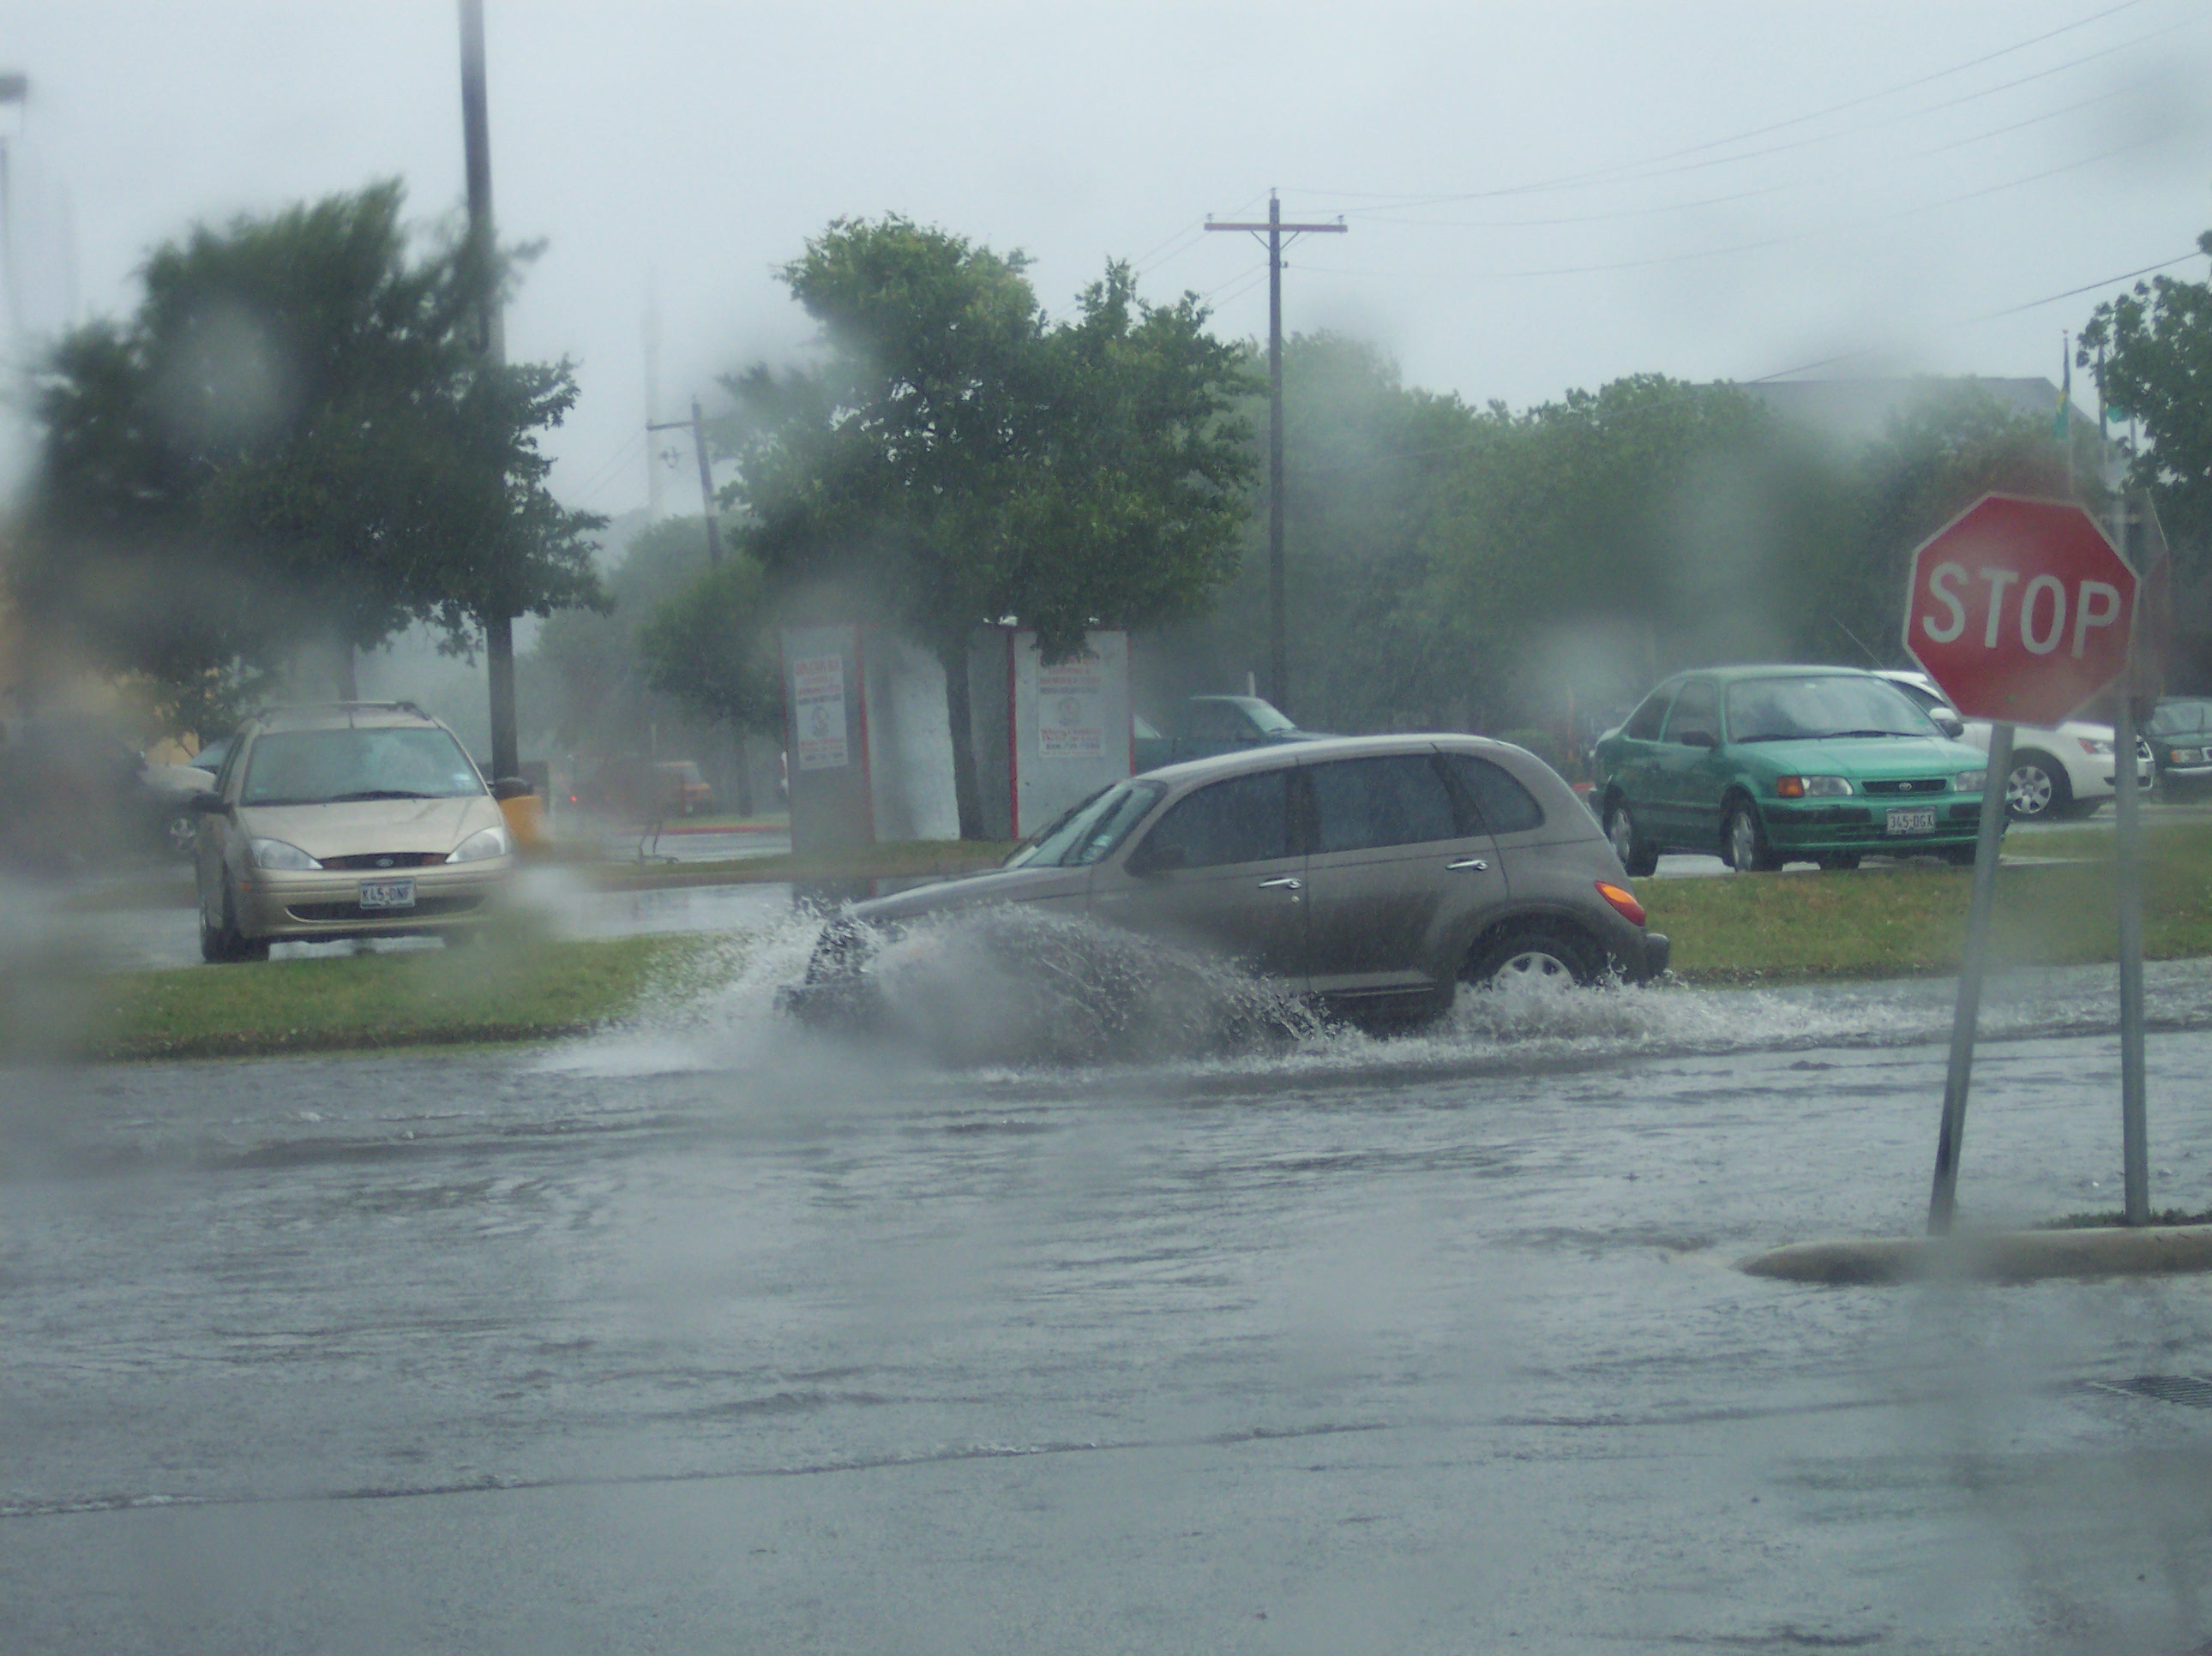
{"type": "Point", "coordinates": [498, 991]}
{"type": "Point", "coordinates": [1911, 919]}
{"type": "Point", "coordinates": [899, 859]}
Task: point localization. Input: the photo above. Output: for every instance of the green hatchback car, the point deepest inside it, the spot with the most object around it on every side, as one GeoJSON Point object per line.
{"type": "Point", "coordinates": [1771, 765]}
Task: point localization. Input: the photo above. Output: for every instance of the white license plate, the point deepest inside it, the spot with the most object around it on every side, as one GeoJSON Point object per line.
{"type": "Point", "coordinates": [400, 894]}
{"type": "Point", "coordinates": [1916, 820]}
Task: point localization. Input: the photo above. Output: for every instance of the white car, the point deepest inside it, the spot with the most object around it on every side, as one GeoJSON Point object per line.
{"type": "Point", "coordinates": [2057, 770]}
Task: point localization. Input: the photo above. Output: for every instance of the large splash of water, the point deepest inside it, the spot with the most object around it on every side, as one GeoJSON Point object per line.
{"type": "Point", "coordinates": [1022, 990]}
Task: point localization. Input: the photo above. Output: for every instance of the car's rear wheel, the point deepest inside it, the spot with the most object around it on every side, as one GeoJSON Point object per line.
{"type": "Point", "coordinates": [2036, 790]}
{"type": "Point", "coordinates": [1743, 841]}
{"type": "Point", "coordinates": [1535, 953]}
{"type": "Point", "coordinates": [1636, 857]}
{"type": "Point", "coordinates": [182, 832]}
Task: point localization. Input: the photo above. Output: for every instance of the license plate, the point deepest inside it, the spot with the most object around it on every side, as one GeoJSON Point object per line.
{"type": "Point", "coordinates": [400, 894]}
{"type": "Point", "coordinates": [1919, 820]}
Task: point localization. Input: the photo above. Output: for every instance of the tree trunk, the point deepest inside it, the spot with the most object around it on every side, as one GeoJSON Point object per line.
{"type": "Point", "coordinates": [967, 791]}
{"type": "Point", "coordinates": [343, 669]}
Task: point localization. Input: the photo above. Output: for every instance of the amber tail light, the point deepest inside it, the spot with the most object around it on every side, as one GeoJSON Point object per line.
{"type": "Point", "coordinates": [1631, 910]}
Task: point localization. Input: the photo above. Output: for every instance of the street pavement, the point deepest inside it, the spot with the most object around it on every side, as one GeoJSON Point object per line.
{"type": "Point", "coordinates": [711, 1336]}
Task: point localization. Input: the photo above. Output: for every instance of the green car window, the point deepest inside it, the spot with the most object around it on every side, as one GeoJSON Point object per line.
{"type": "Point", "coordinates": [1645, 724]}
{"type": "Point", "coordinates": [1696, 711]}
{"type": "Point", "coordinates": [1810, 707]}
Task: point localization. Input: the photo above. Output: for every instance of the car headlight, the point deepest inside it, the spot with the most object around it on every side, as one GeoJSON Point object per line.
{"type": "Point", "coordinates": [1811, 787]}
{"type": "Point", "coordinates": [484, 842]}
{"type": "Point", "coordinates": [1970, 781]}
{"type": "Point", "coordinates": [276, 853]}
{"type": "Point", "coordinates": [2186, 756]}
{"type": "Point", "coordinates": [2095, 746]}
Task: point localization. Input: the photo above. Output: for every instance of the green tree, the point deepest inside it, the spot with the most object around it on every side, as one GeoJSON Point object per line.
{"type": "Point", "coordinates": [711, 646]}
{"type": "Point", "coordinates": [2156, 348]}
{"type": "Point", "coordinates": [956, 458]}
{"type": "Point", "coordinates": [293, 439]}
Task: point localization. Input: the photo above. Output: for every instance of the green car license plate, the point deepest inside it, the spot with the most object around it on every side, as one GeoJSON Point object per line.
{"type": "Point", "coordinates": [393, 893]}
{"type": "Point", "coordinates": [1916, 819]}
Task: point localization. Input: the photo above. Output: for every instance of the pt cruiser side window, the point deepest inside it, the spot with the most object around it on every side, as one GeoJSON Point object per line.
{"type": "Point", "coordinates": [1245, 819]}
{"type": "Point", "coordinates": [1500, 804]}
{"type": "Point", "coordinates": [1360, 804]}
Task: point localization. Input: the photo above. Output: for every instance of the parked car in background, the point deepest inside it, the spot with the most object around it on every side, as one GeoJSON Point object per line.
{"type": "Point", "coordinates": [678, 783]}
{"type": "Point", "coordinates": [1209, 725]}
{"type": "Point", "coordinates": [1375, 875]}
{"type": "Point", "coordinates": [345, 820]}
{"type": "Point", "coordinates": [2057, 770]}
{"type": "Point", "coordinates": [639, 790]}
{"type": "Point", "coordinates": [1769, 765]}
{"type": "Point", "coordinates": [75, 791]}
{"type": "Point", "coordinates": [2178, 734]}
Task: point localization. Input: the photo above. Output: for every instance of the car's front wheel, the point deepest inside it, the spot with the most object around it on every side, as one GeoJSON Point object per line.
{"type": "Point", "coordinates": [1535, 953]}
{"type": "Point", "coordinates": [2037, 791]}
{"type": "Point", "coordinates": [1635, 856]}
{"type": "Point", "coordinates": [221, 944]}
{"type": "Point", "coordinates": [1743, 841]}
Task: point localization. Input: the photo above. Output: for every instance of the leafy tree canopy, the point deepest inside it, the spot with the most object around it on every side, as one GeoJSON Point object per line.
{"type": "Point", "coordinates": [955, 456]}
{"type": "Point", "coordinates": [711, 646]}
{"type": "Point", "coordinates": [2156, 344]}
{"type": "Point", "coordinates": [294, 438]}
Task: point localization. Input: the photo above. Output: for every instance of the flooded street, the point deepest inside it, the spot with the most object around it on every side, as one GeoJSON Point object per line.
{"type": "Point", "coordinates": [714, 1336]}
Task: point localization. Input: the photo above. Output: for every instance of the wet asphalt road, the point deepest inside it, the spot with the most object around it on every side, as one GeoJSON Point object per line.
{"type": "Point", "coordinates": [716, 1338]}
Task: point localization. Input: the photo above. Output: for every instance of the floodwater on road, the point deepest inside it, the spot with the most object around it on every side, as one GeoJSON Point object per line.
{"type": "Point", "coordinates": [715, 1335]}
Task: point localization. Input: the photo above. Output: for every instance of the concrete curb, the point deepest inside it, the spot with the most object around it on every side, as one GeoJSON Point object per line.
{"type": "Point", "coordinates": [2001, 1256]}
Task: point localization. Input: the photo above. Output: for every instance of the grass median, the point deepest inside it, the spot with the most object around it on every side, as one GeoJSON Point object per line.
{"type": "Point", "coordinates": [1911, 919]}
{"type": "Point", "coordinates": [496, 992]}
{"type": "Point", "coordinates": [1897, 921]}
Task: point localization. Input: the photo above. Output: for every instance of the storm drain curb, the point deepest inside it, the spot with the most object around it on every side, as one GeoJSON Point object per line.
{"type": "Point", "coordinates": [2004, 1256]}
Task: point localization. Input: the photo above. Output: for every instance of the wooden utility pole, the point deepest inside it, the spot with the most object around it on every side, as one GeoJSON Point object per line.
{"type": "Point", "coordinates": [696, 425]}
{"type": "Point", "coordinates": [1278, 668]}
{"type": "Point", "coordinates": [475, 142]}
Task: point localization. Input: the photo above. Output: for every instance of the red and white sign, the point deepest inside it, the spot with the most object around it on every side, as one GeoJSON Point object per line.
{"type": "Point", "coordinates": [2020, 609]}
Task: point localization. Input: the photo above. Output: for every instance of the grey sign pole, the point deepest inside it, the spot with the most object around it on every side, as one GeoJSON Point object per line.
{"type": "Point", "coordinates": [2127, 855]}
{"type": "Point", "coordinates": [1943, 1198]}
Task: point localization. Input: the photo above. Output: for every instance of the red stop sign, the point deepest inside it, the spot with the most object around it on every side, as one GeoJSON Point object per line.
{"type": "Point", "coordinates": [2020, 609]}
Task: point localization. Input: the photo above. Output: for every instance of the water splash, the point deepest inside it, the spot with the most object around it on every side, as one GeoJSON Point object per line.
{"type": "Point", "coordinates": [1012, 991]}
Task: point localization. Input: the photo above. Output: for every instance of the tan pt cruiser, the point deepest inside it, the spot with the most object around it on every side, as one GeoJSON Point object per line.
{"type": "Point", "coordinates": [345, 820]}
{"type": "Point", "coordinates": [1373, 875]}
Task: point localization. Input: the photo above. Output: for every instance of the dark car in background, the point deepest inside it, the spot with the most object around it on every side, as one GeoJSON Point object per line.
{"type": "Point", "coordinates": [1767, 765]}
{"type": "Point", "coordinates": [2180, 734]}
{"type": "Point", "coordinates": [1373, 874]}
{"type": "Point", "coordinates": [74, 792]}
{"type": "Point", "coordinates": [1209, 725]}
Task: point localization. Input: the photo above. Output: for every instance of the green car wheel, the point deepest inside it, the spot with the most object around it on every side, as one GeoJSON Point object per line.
{"type": "Point", "coordinates": [1743, 841]}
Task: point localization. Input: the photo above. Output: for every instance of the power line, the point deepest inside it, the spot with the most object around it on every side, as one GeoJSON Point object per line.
{"type": "Point", "coordinates": [1659, 260]}
{"type": "Point", "coordinates": [1783, 188]}
{"type": "Point", "coordinates": [1655, 166]}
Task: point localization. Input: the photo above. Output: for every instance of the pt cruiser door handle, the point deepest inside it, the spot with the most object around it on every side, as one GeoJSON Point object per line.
{"type": "Point", "coordinates": [1474, 863]}
{"type": "Point", "coordinates": [1288, 883]}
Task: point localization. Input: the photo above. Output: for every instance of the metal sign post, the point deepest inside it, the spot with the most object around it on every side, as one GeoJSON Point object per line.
{"type": "Point", "coordinates": [1988, 838]}
{"type": "Point", "coordinates": [2135, 534]}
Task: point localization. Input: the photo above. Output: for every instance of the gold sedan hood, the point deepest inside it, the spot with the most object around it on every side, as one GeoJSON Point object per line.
{"type": "Point", "coordinates": [358, 828]}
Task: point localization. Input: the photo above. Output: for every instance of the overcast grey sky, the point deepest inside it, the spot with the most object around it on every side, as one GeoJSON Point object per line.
{"type": "Point", "coordinates": [1541, 195]}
